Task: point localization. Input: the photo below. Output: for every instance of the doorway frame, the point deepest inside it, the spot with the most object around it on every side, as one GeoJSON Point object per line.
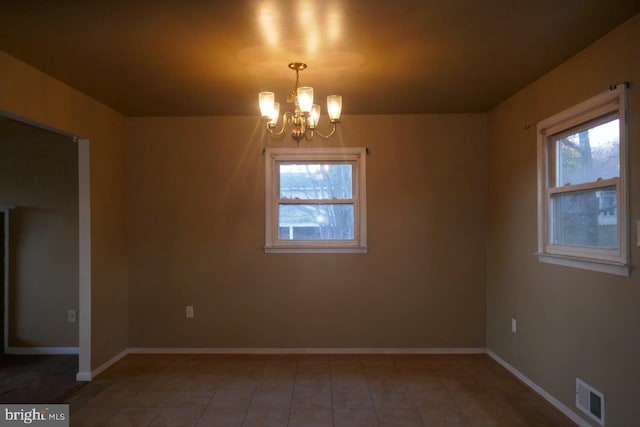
{"type": "Point", "coordinates": [5, 280]}
{"type": "Point", "coordinates": [84, 245]}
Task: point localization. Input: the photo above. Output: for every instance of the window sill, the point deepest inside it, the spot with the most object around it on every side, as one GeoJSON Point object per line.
{"type": "Point", "coordinates": [586, 264]}
{"type": "Point", "coordinates": [315, 250]}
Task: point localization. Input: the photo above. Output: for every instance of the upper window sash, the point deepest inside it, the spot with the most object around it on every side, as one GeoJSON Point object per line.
{"type": "Point", "coordinates": [319, 200]}
{"type": "Point", "coordinates": [554, 147]}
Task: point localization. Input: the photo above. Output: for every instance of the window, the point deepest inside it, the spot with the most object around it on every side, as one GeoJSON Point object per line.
{"type": "Point", "coordinates": [582, 193]}
{"type": "Point", "coordinates": [315, 200]}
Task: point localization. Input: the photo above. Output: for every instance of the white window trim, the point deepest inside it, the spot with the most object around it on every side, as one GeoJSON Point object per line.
{"type": "Point", "coordinates": [612, 261]}
{"type": "Point", "coordinates": [275, 155]}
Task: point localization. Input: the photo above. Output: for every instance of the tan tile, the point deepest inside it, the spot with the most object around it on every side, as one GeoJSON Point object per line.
{"type": "Point", "coordinates": [266, 417]}
{"type": "Point", "coordinates": [410, 364]}
{"type": "Point", "coordinates": [381, 363]}
{"type": "Point", "coordinates": [351, 400]}
{"type": "Point", "coordinates": [271, 400]}
{"type": "Point", "coordinates": [231, 399]}
{"type": "Point", "coordinates": [311, 400]}
{"type": "Point", "coordinates": [354, 385]}
{"type": "Point", "coordinates": [177, 417]}
{"type": "Point", "coordinates": [494, 417]}
{"type": "Point", "coordinates": [149, 399]}
{"type": "Point", "coordinates": [312, 386]}
{"type": "Point", "coordinates": [281, 363]}
{"type": "Point", "coordinates": [250, 369]}
{"type": "Point", "coordinates": [214, 417]}
{"type": "Point", "coordinates": [190, 399]}
{"type": "Point", "coordinates": [212, 377]}
{"type": "Point", "coordinates": [446, 391]}
{"type": "Point", "coordinates": [200, 386]}
{"type": "Point", "coordinates": [351, 417]}
{"type": "Point", "coordinates": [395, 386]}
{"type": "Point", "coordinates": [346, 366]}
{"type": "Point", "coordinates": [399, 418]}
{"type": "Point", "coordinates": [173, 378]}
{"type": "Point", "coordinates": [131, 417]}
{"type": "Point", "coordinates": [433, 398]}
{"type": "Point", "coordinates": [111, 398]}
{"type": "Point", "coordinates": [302, 417]}
{"type": "Point", "coordinates": [92, 417]}
{"type": "Point", "coordinates": [443, 416]}
{"type": "Point", "coordinates": [165, 385]}
{"type": "Point", "coordinates": [238, 384]}
{"type": "Point", "coordinates": [274, 385]}
{"type": "Point", "coordinates": [392, 400]}
{"type": "Point", "coordinates": [424, 384]}
{"type": "Point", "coordinates": [381, 371]}
{"type": "Point", "coordinates": [313, 376]}
{"type": "Point", "coordinates": [313, 366]}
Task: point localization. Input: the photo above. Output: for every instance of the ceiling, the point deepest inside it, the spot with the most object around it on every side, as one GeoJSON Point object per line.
{"type": "Point", "coordinates": [194, 57]}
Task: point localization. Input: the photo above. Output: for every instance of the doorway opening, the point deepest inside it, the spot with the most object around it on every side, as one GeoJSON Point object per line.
{"type": "Point", "coordinates": [83, 247]}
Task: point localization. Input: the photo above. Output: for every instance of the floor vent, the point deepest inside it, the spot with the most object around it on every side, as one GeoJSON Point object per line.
{"type": "Point", "coordinates": [590, 401]}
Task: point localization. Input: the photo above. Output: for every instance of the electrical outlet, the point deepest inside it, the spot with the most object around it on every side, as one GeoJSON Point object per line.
{"type": "Point", "coordinates": [72, 316]}
{"type": "Point", "coordinates": [189, 311]}
{"type": "Point", "coordinates": [513, 325]}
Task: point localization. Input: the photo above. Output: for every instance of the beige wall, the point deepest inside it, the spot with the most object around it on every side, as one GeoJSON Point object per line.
{"type": "Point", "coordinates": [38, 171]}
{"type": "Point", "coordinates": [196, 237]}
{"type": "Point", "coordinates": [571, 323]}
{"type": "Point", "coordinates": [29, 93]}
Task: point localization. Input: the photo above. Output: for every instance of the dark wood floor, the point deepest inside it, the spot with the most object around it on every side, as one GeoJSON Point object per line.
{"type": "Point", "coordinates": [310, 391]}
{"type": "Point", "coordinates": [37, 379]}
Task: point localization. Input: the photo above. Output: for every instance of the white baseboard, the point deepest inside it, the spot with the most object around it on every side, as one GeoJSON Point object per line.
{"type": "Point", "coordinates": [547, 396]}
{"type": "Point", "coordinates": [41, 350]}
{"type": "Point", "coordinates": [88, 376]}
{"type": "Point", "coordinates": [83, 376]}
{"type": "Point", "coordinates": [302, 351]}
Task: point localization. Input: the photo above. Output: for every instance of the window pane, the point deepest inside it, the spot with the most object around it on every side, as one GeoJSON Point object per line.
{"type": "Point", "coordinates": [590, 154]}
{"type": "Point", "coordinates": [585, 218]}
{"type": "Point", "coordinates": [316, 181]}
{"type": "Point", "coordinates": [316, 222]}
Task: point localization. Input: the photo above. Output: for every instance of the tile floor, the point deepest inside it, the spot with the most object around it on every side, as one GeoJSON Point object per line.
{"type": "Point", "coordinates": [309, 391]}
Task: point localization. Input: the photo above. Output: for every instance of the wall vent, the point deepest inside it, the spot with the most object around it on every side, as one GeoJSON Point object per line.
{"type": "Point", "coordinates": [590, 401]}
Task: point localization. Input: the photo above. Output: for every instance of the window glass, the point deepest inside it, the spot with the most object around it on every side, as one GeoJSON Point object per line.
{"type": "Point", "coordinates": [590, 154]}
{"type": "Point", "coordinates": [316, 222]}
{"type": "Point", "coordinates": [316, 181]}
{"type": "Point", "coordinates": [585, 218]}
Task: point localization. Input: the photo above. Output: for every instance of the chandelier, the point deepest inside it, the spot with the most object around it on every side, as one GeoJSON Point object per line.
{"type": "Point", "coordinates": [303, 120]}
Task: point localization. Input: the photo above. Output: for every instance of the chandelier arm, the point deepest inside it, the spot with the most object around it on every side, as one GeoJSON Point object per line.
{"type": "Point", "coordinates": [330, 134]}
{"type": "Point", "coordinates": [286, 118]}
